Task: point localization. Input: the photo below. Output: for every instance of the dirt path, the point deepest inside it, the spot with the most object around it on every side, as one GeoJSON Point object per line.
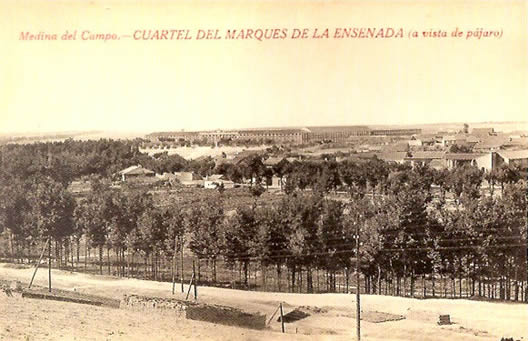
{"type": "Point", "coordinates": [333, 319]}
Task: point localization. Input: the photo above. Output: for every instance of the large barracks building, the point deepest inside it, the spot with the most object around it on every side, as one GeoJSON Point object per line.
{"type": "Point", "coordinates": [281, 135]}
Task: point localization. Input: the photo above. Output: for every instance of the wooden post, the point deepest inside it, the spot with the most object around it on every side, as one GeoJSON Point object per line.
{"type": "Point", "coordinates": [38, 263]}
{"type": "Point", "coordinates": [358, 305]}
{"type": "Point", "coordinates": [174, 264]}
{"type": "Point", "coordinates": [282, 317]}
{"type": "Point", "coordinates": [49, 266]}
{"type": "Point", "coordinates": [273, 315]}
{"type": "Point", "coordinates": [189, 290]}
{"type": "Point", "coordinates": [194, 282]}
{"type": "Point", "coordinates": [181, 275]}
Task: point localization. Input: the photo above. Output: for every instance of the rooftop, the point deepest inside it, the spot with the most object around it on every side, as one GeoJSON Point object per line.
{"type": "Point", "coordinates": [135, 170]}
{"type": "Point", "coordinates": [490, 143]}
{"type": "Point", "coordinates": [392, 156]}
{"type": "Point", "coordinates": [514, 154]}
{"type": "Point", "coordinates": [426, 155]}
{"type": "Point", "coordinates": [463, 156]}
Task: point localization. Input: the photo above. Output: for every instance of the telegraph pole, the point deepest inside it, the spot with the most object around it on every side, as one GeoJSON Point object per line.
{"type": "Point", "coordinates": [174, 262]}
{"type": "Point", "coordinates": [49, 265]}
{"type": "Point", "coordinates": [358, 305]}
{"type": "Point", "coordinates": [181, 254]}
{"type": "Point", "coordinates": [38, 263]}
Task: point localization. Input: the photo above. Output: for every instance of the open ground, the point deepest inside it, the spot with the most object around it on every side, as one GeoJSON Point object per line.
{"type": "Point", "coordinates": [331, 315]}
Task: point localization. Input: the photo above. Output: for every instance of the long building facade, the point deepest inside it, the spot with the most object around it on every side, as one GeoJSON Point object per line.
{"type": "Point", "coordinates": [395, 132]}
{"type": "Point", "coordinates": [280, 135]}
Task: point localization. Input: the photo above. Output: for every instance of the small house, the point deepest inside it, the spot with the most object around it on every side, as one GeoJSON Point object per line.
{"type": "Point", "coordinates": [135, 173]}
{"type": "Point", "coordinates": [189, 178]}
{"type": "Point", "coordinates": [217, 180]}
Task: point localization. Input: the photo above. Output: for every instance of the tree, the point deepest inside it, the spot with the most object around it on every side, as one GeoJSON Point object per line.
{"type": "Point", "coordinates": [52, 211]}
{"type": "Point", "coordinates": [281, 169]}
{"type": "Point", "coordinates": [153, 233]}
{"type": "Point", "coordinates": [52, 207]}
{"type": "Point", "coordinates": [253, 168]}
{"type": "Point", "coordinates": [174, 220]}
{"type": "Point", "coordinates": [302, 212]}
{"type": "Point", "coordinates": [102, 211]}
{"type": "Point", "coordinates": [256, 191]}
{"type": "Point", "coordinates": [272, 237]}
{"type": "Point", "coordinates": [205, 222]}
{"type": "Point", "coordinates": [241, 238]}
{"type": "Point", "coordinates": [231, 171]}
{"type": "Point", "coordinates": [492, 178]}
{"type": "Point", "coordinates": [15, 213]}
{"type": "Point", "coordinates": [410, 225]}
{"type": "Point", "coordinates": [377, 173]}
{"type": "Point", "coordinates": [508, 174]}
{"type": "Point", "coordinates": [329, 178]}
{"type": "Point", "coordinates": [464, 182]}
{"type": "Point", "coordinates": [334, 243]}
{"type": "Point", "coordinates": [354, 176]}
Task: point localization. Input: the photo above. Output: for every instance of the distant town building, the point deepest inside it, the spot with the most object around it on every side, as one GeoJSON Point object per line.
{"type": "Point", "coordinates": [513, 157]}
{"type": "Point", "coordinates": [336, 133]}
{"type": "Point", "coordinates": [480, 160]}
{"type": "Point", "coordinates": [215, 136]}
{"type": "Point", "coordinates": [471, 141]}
{"type": "Point", "coordinates": [415, 142]}
{"type": "Point", "coordinates": [189, 178]}
{"type": "Point", "coordinates": [489, 144]}
{"type": "Point", "coordinates": [458, 139]}
{"type": "Point", "coordinates": [483, 131]}
{"type": "Point", "coordinates": [395, 132]}
{"type": "Point", "coordinates": [276, 182]}
{"type": "Point", "coordinates": [280, 135]}
{"type": "Point", "coordinates": [426, 158]}
{"type": "Point", "coordinates": [275, 135]}
{"type": "Point", "coordinates": [516, 142]}
{"type": "Point", "coordinates": [217, 180]}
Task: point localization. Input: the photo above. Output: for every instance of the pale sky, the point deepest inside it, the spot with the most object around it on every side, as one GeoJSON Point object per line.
{"type": "Point", "coordinates": [130, 85]}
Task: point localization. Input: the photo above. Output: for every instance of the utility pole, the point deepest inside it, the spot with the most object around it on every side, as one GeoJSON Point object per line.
{"type": "Point", "coordinates": [49, 265]}
{"type": "Point", "coordinates": [181, 274]}
{"type": "Point", "coordinates": [174, 263]}
{"type": "Point", "coordinates": [358, 305]}
{"type": "Point", "coordinates": [195, 280]}
{"type": "Point", "coordinates": [282, 317]}
{"type": "Point", "coordinates": [38, 263]}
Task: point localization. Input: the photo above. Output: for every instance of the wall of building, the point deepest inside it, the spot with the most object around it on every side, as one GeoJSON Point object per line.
{"type": "Point", "coordinates": [395, 132]}
{"type": "Point", "coordinates": [335, 134]}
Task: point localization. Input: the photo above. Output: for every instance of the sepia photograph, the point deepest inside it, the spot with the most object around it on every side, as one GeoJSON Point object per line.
{"type": "Point", "coordinates": [264, 170]}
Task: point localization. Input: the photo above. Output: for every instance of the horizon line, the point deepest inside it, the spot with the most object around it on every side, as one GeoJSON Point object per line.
{"type": "Point", "coordinates": [134, 131]}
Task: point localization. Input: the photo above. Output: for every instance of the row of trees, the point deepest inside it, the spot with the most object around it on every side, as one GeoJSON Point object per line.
{"type": "Point", "coordinates": [405, 236]}
{"type": "Point", "coordinates": [370, 175]}
{"type": "Point", "coordinates": [69, 160]}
